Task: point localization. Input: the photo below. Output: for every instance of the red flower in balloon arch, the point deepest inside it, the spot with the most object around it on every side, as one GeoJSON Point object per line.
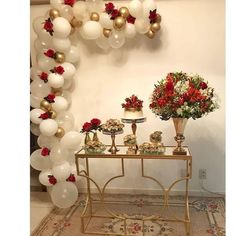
{"type": "Point", "coordinates": [131, 19]}
{"type": "Point", "coordinates": [50, 98]}
{"type": "Point", "coordinates": [114, 14]}
{"type": "Point", "coordinates": [44, 76]}
{"type": "Point", "coordinates": [52, 180]}
{"type": "Point", "coordinates": [45, 151]}
{"type": "Point", "coordinates": [109, 7]}
{"type": "Point", "coordinates": [48, 26]}
{"type": "Point", "coordinates": [153, 16]}
{"type": "Point", "coordinates": [58, 70]}
{"type": "Point", "coordinates": [71, 178]}
{"type": "Point", "coordinates": [45, 115]}
{"type": "Point", "coordinates": [69, 2]}
{"type": "Point", "coordinates": [50, 53]}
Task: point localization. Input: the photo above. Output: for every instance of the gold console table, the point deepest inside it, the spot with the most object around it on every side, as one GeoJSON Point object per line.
{"type": "Point", "coordinates": [89, 213]}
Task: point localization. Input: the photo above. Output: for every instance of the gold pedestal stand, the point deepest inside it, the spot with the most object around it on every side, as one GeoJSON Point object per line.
{"type": "Point", "coordinates": [113, 149]}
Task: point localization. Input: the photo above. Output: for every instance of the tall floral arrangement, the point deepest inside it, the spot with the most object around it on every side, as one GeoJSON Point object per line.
{"type": "Point", "coordinates": [180, 95]}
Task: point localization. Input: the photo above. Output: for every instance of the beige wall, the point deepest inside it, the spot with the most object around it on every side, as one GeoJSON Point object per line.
{"type": "Point", "coordinates": [191, 40]}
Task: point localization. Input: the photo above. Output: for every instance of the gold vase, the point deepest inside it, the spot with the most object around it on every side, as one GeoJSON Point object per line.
{"type": "Point", "coordinates": [95, 137]}
{"type": "Point", "coordinates": [179, 124]}
{"type": "Point", "coordinates": [87, 138]}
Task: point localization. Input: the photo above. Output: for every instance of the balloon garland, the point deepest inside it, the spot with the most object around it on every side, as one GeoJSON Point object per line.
{"type": "Point", "coordinates": [52, 77]}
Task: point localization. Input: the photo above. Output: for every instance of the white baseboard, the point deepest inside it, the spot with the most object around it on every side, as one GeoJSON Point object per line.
{"type": "Point", "coordinates": [194, 193]}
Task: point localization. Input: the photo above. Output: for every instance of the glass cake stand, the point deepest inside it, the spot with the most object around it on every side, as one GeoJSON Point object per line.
{"type": "Point", "coordinates": [113, 149]}
{"type": "Point", "coordinates": [133, 122]}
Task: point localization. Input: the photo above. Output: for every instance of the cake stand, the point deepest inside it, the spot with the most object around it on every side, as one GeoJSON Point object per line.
{"type": "Point", "coordinates": [133, 122]}
{"type": "Point", "coordinates": [113, 149]}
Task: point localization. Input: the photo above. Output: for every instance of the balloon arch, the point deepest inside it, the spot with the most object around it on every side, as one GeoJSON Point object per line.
{"type": "Point", "coordinates": [52, 77]}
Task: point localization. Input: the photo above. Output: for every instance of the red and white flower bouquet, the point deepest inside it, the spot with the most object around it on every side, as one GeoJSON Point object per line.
{"type": "Point", "coordinates": [180, 95]}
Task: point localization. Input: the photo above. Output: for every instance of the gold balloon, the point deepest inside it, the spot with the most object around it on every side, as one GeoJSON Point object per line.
{"type": "Point", "coordinates": [45, 105]}
{"type": "Point", "coordinates": [124, 12]}
{"type": "Point", "coordinates": [106, 32]}
{"type": "Point", "coordinates": [119, 23]}
{"type": "Point", "coordinates": [54, 13]}
{"type": "Point", "coordinates": [60, 132]}
{"type": "Point", "coordinates": [59, 57]}
{"type": "Point", "coordinates": [56, 91]}
{"type": "Point", "coordinates": [94, 16]}
{"type": "Point", "coordinates": [76, 23]}
{"type": "Point", "coordinates": [150, 34]}
{"type": "Point", "coordinates": [155, 27]}
{"type": "Point", "coordinates": [53, 114]}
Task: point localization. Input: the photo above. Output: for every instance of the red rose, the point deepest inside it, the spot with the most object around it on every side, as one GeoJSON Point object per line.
{"type": "Point", "coordinates": [49, 53]}
{"type": "Point", "coordinates": [169, 85]}
{"type": "Point", "coordinates": [203, 85]}
{"type": "Point", "coordinates": [87, 127]}
{"type": "Point", "coordinates": [45, 151]}
{"type": "Point", "coordinates": [71, 178]}
{"type": "Point", "coordinates": [44, 116]}
{"type": "Point", "coordinates": [52, 180]}
{"type": "Point", "coordinates": [95, 122]}
{"type": "Point", "coordinates": [161, 102]}
{"type": "Point", "coordinates": [185, 97]}
{"type": "Point", "coordinates": [48, 26]}
{"type": "Point", "coordinates": [180, 101]}
{"type": "Point", "coordinates": [44, 76]}
{"type": "Point", "coordinates": [131, 19]}
{"type": "Point", "coordinates": [59, 70]}
{"type": "Point", "coordinates": [109, 7]}
{"type": "Point", "coordinates": [114, 14]}
{"type": "Point", "coordinates": [69, 2]}
{"type": "Point", "coordinates": [153, 16]}
{"type": "Point", "coordinates": [50, 98]}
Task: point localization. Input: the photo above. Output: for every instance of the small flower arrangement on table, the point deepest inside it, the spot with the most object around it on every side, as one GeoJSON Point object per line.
{"type": "Point", "coordinates": [112, 126]}
{"type": "Point", "coordinates": [94, 147]}
{"type": "Point", "coordinates": [181, 95]}
{"type": "Point", "coordinates": [131, 142]}
{"type": "Point", "coordinates": [151, 148]}
{"type": "Point", "coordinates": [91, 127]}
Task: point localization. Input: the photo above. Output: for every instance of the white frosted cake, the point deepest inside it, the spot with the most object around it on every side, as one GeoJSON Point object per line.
{"type": "Point", "coordinates": [132, 113]}
{"type": "Point", "coordinates": [133, 107]}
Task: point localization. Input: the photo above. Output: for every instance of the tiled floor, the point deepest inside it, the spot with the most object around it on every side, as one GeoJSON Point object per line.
{"type": "Point", "coordinates": [40, 206]}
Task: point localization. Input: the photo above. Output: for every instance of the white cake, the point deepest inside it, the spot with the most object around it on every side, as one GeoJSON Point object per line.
{"type": "Point", "coordinates": [133, 113]}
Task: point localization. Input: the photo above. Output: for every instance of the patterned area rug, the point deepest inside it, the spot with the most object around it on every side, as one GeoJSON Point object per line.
{"type": "Point", "coordinates": [207, 217]}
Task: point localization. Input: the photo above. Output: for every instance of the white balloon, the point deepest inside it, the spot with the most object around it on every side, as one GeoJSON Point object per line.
{"type": "Point", "coordinates": [79, 10]}
{"type": "Point", "coordinates": [48, 127]}
{"type": "Point", "coordinates": [73, 55]}
{"type": "Point", "coordinates": [71, 140]}
{"type": "Point", "coordinates": [61, 27]}
{"type": "Point", "coordinates": [68, 83]}
{"type": "Point", "coordinates": [105, 21]}
{"type": "Point", "coordinates": [66, 12]}
{"type": "Point", "coordinates": [64, 194]}
{"type": "Point", "coordinates": [38, 24]}
{"type": "Point", "coordinates": [56, 3]}
{"type": "Point", "coordinates": [148, 5]}
{"type": "Point", "coordinates": [61, 45]}
{"type": "Point", "coordinates": [45, 63]}
{"type": "Point", "coordinates": [71, 158]}
{"type": "Point", "coordinates": [142, 25]}
{"type": "Point", "coordinates": [91, 30]}
{"type": "Point", "coordinates": [39, 162]}
{"type": "Point", "coordinates": [55, 80]}
{"type": "Point", "coordinates": [130, 30]}
{"type": "Point", "coordinates": [116, 39]}
{"type": "Point", "coordinates": [135, 8]}
{"type": "Point", "coordinates": [60, 104]}
{"type": "Point", "coordinates": [102, 42]}
{"type": "Point", "coordinates": [61, 171]}
{"type": "Point", "coordinates": [45, 141]}
{"type": "Point", "coordinates": [69, 70]}
{"type": "Point", "coordinates": [65, 120]}
{"type": "Point", "coordinates": [94, 5]}
{"type": "Point", "coordinates": [35, 101]}
{"type": "Point", "coordinates": [67, 95]}
{"type": "Point", "coordinates": [34, 129]}
{"type": "Point", "coordinates": [40, 45]}
{"type": "Point", "coordinates": [39, 89]}
{"type": "Point", "coordinates": [58, 154]}
{"type": "Point", "coordinates": [34, 115]}
{"type": "Point", "coordinates": [35, 72]}
{"type": "Point", "coordinates": [44, 177]}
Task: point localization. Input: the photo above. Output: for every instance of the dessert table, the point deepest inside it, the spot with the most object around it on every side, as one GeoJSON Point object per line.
{"type": "Point", "coordinates": [90, 209]}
